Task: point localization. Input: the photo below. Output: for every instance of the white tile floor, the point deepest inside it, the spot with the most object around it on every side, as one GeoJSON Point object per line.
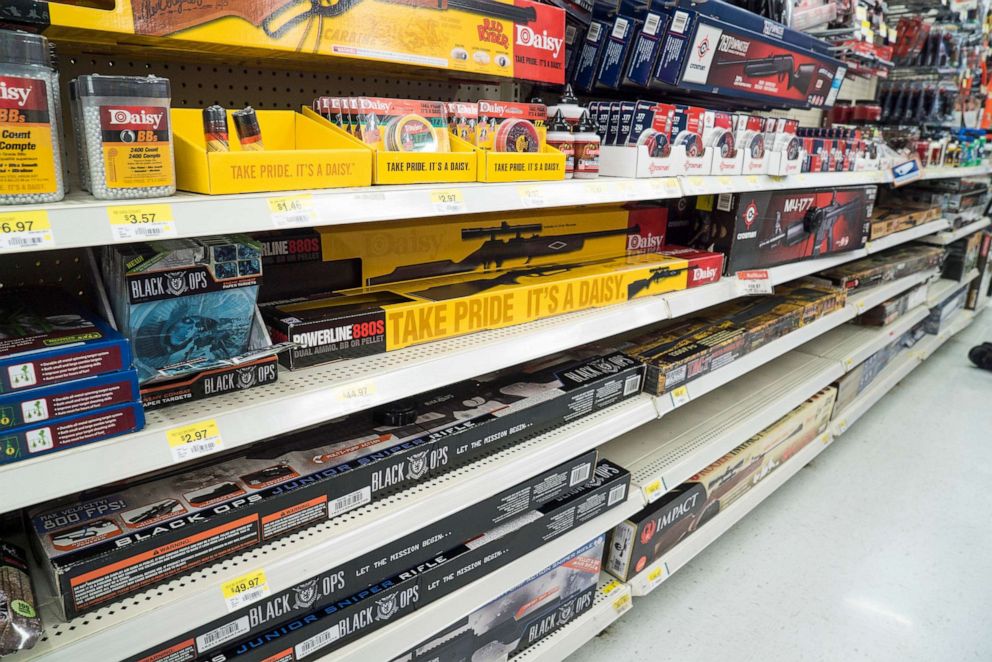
{"type": "Point", "coordinates": [877, 551]}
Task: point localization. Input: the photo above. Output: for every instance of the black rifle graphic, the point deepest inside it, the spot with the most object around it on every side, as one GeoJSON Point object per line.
{"type": "Point", "coordinates": [818, 223]}
{"type": "Point", "coordinates": [166, 506]}
{"type": "Point", "coordinates": [472, 287]}
{"type": "Point", "coordinates": [781, 66]}
{"type": "Point", "coordinates": [224, 489]}
{"type": "Point", "coordinates": [658, 274]}
{"type": "Point", "coordinates": [267, 474]}
{"type": "Point", "coordinates": [494, 252]}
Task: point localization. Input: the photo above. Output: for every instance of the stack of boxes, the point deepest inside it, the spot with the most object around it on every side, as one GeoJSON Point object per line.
{"type": "Point", "coordinates": [66, 377]}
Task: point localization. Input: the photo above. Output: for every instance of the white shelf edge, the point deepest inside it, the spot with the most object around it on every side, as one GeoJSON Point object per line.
{"type": "Point", "coordinates": [896, 238]}
{"type": "Point", "coordinates": [950, 236]}
{"type": "Point", "coordinates": [873, 296]}
{"type": "Point", "coordinates": [606, 609]}
{"type": "Point", "coordinates": [931, 343]}
{"type": "Point", "coordinates": [82, 221]}
{"type": "Point", "coordinates": [943, 172]}
{"type": "Point", "coordinates": [661, 569]}
{"type": "Point", "coordinates": [850, 345]}
{"type": "Point", "coordinates": [891, 375]}
{"type": "Point", "coordinates": [401, 635]}
{"type": "Point", "coordinates": [175, 607]}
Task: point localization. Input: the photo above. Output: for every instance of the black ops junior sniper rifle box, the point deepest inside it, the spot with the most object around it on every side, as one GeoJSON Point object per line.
{"type": "Point", "coordinates": [349, 577]}
{"type": "Point", "coordinates": [523, 615]}
{"type": "Point", "coordinates": [103, 547]}
{"type": "Point", "coordinates": [335, 623]}
{"type": "Point", "coordinates": [764, 228]}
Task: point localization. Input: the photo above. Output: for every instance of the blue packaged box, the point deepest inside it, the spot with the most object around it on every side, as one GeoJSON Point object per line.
{"type": "Point", "coordinates": [67, 399]}
{"type": "Point", "coordinates": [647, 46]}
{"type": "Point", "coordinates": [590, 54]}
{"type": "Point", "coordinates": [57, 434]}
{"type": "Point", "coordinates": [47, 337]}
{"type": "Point", "coordinates": [616, 47]}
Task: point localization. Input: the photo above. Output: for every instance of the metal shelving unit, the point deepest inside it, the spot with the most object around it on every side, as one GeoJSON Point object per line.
{"type": "Point", "coordinates": [851, 344]}
{"type": "Point", "coordinates": [950, 236]}
{"type": "Point", "coordinates": [942, 288]}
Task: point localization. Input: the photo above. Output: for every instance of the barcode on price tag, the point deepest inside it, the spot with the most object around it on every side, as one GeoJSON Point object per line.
{"type": "Point", "coordinates": [292, 210]}
{"type": "Point", "coordinates": [448, 201]}
{"type": "Point", "coordinates": [135, 222]}
{"type": "Point", "coordinates": [25, 229]}
{"type": "Point", "coordinates": [244, 590]}
{"type": "Point", "coordinates": [194, 440]}
{"type": "Point", "coordinates": [753, 283]}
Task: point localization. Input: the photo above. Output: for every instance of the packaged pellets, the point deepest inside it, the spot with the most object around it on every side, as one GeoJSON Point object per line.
{"type": "Point", "coordinates": [127, 136]}
{"type": "Point", "coordinates": [30, 134]}
{"type": "Point", "coordinates": [20, 625]}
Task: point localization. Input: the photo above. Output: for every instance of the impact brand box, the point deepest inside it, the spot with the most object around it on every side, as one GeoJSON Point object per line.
{"type": "Point", "coordinates": [523, 615]}
{"type": "Point", "coordinates": [367, 321]}
{"type": "Point", "coordinates": [103, 547]}
{"type": "Point", "coordinates": [49, 338]}
{"type": "Point", "coordinates": [518, 39]}
{"type": "Point", "coordinates": [338, 623]}
{"type": "Point", "coordinates": [766, 228]}
{"type": "Point", "coordinates": [275, 612]}
{"type": "Point", "coordinates": [653, 532]}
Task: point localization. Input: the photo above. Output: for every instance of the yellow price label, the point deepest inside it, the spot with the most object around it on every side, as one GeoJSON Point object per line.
{"type": "Point", "coordinates": [25, 229]}
{"type": "Point", "coordinates": [359, 391]}
{"type": "Point", "coordinates": [448, 201]}
{"type": "Point", "coordinates": [848, 363]}
{"type": "Point", "coordinates": [612, 586]}
{"type": "Point", "coordinates": [244, 590]}
{"type": "Point", "coordinates": [136, 222]}
{"type": "Point", "coordinates": [825, 438]}
{"type": "Point", "coordinates": [725, 182]}
{"type": "Point", "coordinates": [696, 182]}
{"type": "Point", "coordinates": [680, 396]}
{"type": "Point", "coordinates": [290, 203]}
{"type": "Point", "coordinates": [753, 180]}
{"type": "Point", "coordinates": [656, 574]}
{"type": "Point", "coordinates": [652, 487]}
{"type": "Point", "coordinates": [622, 604]}
{"type": "Point", "coordinates": [194, 440]}
{"type": "Point", "coordinates": [531, 196]}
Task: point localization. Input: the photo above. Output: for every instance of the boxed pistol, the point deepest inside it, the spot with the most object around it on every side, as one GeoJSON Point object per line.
{"type": "Point", "coordinates": [378, 565]}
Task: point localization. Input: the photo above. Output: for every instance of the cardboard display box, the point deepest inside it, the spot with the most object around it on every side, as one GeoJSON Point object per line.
{"type": "Point", "coordinates": [884, 267]}
{"type": "Point", "coordinates": [962, 257]}
{"type": "Point", "coordinates": [975, 292]}
{"type": "Point", "coordinates": [518, 39]}
{"type": "Point", "coordinates": [653, 532]}
{"type": "Point", "coordinates": [333, 625]}
{"type": "Point", "coordinates": [859, 378]}
{"type": "Point", "coordinates": [889, 220]}
{"type": "Point", "coordinates": [102, 547]}
{"type": "Point", "coordinates": [766, 228]}
{"type": "Point", "coordinates": [939, 315]}
{"type": "Point", "coordinates": [379, 564]}
{"type": "Point", "coordinates": [523, 615]}
{"type": "Point", "coordinates": [677, 353]}
{"type": "Point", "coordinates": [889, 311]}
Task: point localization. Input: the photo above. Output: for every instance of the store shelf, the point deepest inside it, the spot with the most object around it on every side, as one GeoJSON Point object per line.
{"type": "Point", "coordinates": [950, 236]}
{"type": "Point", "coordinates": [879, 245]}
{"type": "Point", "coordinates": [891, 375]}
{"type": "Point", "coordinates": [850, 344]}
{"type": "Point", "coordinates": [701, 185]}
{"type": "Point", "coordinates": [665, 454]}
{"type": "Point", "coordinates": [612, 601]}
{"type": "Point", "coordinates": [948, 172]}
{"type": "Point", "coordinates": [396, 638]}
{"type": "Point", "coordinates": [175, 607]}
{"type": "Point", "coordinates": [873, 296]}
{"type": "Point", "coordinates": [940, 289]}
{"type": "Point", "coordinates": [931, 343]}
{"type": "Point", "coordinates": [655, 574]}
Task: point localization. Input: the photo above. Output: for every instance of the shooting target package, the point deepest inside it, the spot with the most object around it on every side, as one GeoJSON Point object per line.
{"type": "Point", "coordinates": [410, 133]}
{"type": "Point", "coordinates": [723, 142]}
{"type": "Point", "coordinates": [504, 126]}
{"type": "Point", "coordinates": [517, 135]}
{"type": "Point", "coordinates": [657, 143]}
{"type": "Point", "coordinates": [692, 142]}
{"type": "Point", "coordinates": [753, 144]}
{"type": "Point", "coordinates": [396, 125]}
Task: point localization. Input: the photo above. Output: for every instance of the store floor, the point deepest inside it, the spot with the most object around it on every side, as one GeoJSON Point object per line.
{"type": "Point", "coordinates": [877, 551]}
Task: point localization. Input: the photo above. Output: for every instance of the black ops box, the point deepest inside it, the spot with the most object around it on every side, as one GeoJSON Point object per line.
{"type": "Point", "coordinates": [764, 228]}
{"type": "Point", "coordinates": [523, 615]}
{"type": "Point", "coordinates": [378, 565]}
{"type": "Point", "coordinates": [891, 265]}
{"type": "Point", "coordinates": [333, 624]}
{"type": "Point", "coordinates": [210, 383]}
{"type": "Point", "coordinates": [105, 546]}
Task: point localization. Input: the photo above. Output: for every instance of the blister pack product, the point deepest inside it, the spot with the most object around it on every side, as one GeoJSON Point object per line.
{"type": "Point", "coordinates": [184, 304]}
{"type": "Point", "coordinates": [504, 126]}
{"type": "Point", "coordinates": [401, 125]}
{"type": "Point", "coordinates": [20, 623]}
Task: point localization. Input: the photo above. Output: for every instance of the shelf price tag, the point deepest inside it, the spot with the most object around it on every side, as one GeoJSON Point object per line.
{"type": "Point", "coordinates": [531, 196]}
{"type": "Point", "coordinates": [356, 391]}
{"type": "Point", "coordinates": [753, 283]}
{"type": "Point", "coordinates": [653, 488]}
{"type": "Point", "coordinates": [244, 590]}
{"type": "Point", "coordinates": [680, 396]}
{"type": "Point", "coordinates": [726, 183]}
{"type": "Point", "coordinates": [136, 222]}
{"type": "Point", "coordinates": [448, 201]}
{"type": "Point", "coordinates": [697, 184]}
{"type": "Point", "coordinates": [655, 576]}
{"type": "Point", "coordinates": [622, 604]}
{"type": "Point", "coordinates": [194, 440]}
{"type": "Point", "coordinates": [292, 210]}
{"type": "Point", "coordinates": [25, 229]}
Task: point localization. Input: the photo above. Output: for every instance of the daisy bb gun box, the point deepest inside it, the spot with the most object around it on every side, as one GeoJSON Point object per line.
{"type": "Point", "coordinates": [102, 547]}
{"type": "Point", "coordinates": [49, 338]}
{"type": "Point", "coordinates": [277, 611]}
{"type": "Point", "coordinates": [338, 623]}
{"type": "Point", "coordinates": [523, 615]}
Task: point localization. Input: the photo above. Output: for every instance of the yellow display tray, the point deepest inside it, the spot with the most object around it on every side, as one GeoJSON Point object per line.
{"type": "Point", "coordinates": [543, 166]}
{"type": "Point", "coordinates": [299, 154]}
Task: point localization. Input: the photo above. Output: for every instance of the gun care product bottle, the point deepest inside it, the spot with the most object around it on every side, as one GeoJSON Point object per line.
{"type": "Point", "coordinates": [586, 149]}
{"type": "Point", "coordinates": [31, 145]}
{"type": "Point", "coordinates": [560, 137]}
{"type": "Point", "coordinates": [249, 132]}
{"type": "Point", "coordinates": [568, 107]}
{"type": "Point", "coordinates": [215, 129]}
{"type": "Point", "coordinates": [127, 136]}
